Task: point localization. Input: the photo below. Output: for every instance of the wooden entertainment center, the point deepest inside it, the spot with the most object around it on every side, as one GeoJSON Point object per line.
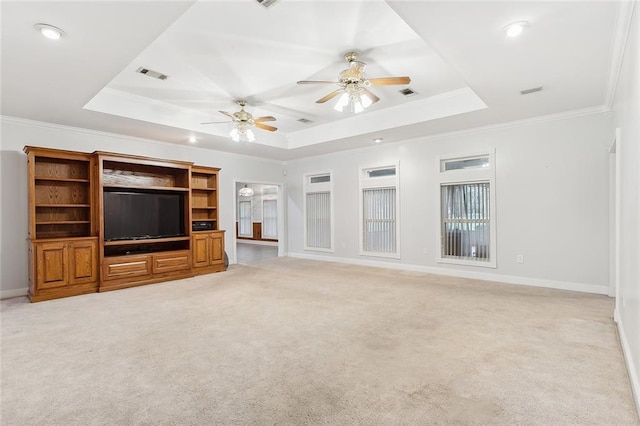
{"type": "Point", "coordinates": [68, 251]}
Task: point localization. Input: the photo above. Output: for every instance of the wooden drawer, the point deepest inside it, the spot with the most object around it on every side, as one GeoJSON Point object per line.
{"type": "Point", "coordinates": [171, 261]}
{"type": "Point", "coordinates": [126, 266]}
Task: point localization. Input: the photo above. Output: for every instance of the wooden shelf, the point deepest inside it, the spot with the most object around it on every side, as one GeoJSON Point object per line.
{"type": "Point", "coordinates": [147, 188]}
{"type": "Point", "coordinates": [62, 205]}
{"type": "Point", "coordinates": [68, 254]}
{"type": "Point", "coordinates": [59, 179]}
{"type": "Point", "coordinates": [63, 222]}
{"type": "Point", "coordinates": [145, 241]}
{"type": "Point", "coordinates": [204, 195]}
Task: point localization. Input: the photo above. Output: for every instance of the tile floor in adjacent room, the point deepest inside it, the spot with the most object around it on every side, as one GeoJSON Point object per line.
{"type": "Point", "coordinates": [249, 253]}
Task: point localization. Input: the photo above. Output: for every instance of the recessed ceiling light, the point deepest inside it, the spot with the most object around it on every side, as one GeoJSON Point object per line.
{"type": "Point", "coordinates": [192, 139]}
{"type": "Point", "coordinates": [515, 29]}
{"type": "Point", "coordinates": [49, 31]}
{"type": "Point", "coordinates": [377, 140]}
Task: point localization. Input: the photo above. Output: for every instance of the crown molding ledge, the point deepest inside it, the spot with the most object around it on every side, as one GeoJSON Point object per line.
{"type": "Point", "coordinates": [618, 46]}
{"type": "Point", "coordinates": [46, 125]}
{"type": "Point", "coordinates": [565, 115]}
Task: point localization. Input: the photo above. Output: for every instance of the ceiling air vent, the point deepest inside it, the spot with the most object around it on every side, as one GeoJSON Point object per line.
{"type": "Point", "coordinates": [408, 92]}
{"type": "Point", "coordinates": [305, 120]}
{"type": "Point", "coordinates": [532, 90]}
{"type": "Point", "coordinates": [267, 3]}
{"type": "Point", "coordinates": [151, 73]}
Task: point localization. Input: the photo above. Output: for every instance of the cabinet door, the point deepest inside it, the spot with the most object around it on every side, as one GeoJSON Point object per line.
{"type": "Point", "coordinates": [83, 262]}
{"type": "Point", "coordinates": [51, 265]}
{"type": "Point", "coordinates": [216, 255]}
{"type": "Point", "coordinates": [200, 250]}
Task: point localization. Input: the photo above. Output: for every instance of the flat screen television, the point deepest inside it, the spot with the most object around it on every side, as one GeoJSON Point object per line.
{"type": "Point", "coordinates": [137, 215]}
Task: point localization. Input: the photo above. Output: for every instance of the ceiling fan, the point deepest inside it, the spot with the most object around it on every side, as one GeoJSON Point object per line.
{"type": "Point", "coordinates": [244, 121]}
{"type": "Point", "coordinates": [354, 86]}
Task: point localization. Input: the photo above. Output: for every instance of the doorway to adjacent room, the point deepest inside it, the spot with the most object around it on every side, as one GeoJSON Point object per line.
{"type": "Point", "coordinates": [257, 233]}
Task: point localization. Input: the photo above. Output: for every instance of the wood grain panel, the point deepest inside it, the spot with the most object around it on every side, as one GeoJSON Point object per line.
{"type": "Point", "coordinates": [217, 248]}
{"type": "Point", "coordinates": [52, 263]}
{"type": "Point", "coordinates": [172, 261]}
{"type": "Point", "coordinates": [46, 167]}
{"type": "Point", "coordinates": [83, 262]}
{"type": "Point", "coordinates": [200, 249]}
{"type": "Point", "coordinates": [126, 266]}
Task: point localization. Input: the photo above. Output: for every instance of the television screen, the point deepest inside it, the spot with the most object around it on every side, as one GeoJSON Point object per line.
{"type": "Point", "coordinates": [139, 215]}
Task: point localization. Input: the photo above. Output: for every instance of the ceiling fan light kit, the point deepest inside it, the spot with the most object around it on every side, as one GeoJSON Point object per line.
{"type": "Point", "coordinates": [242, 133]}
{"type": "Point", "coordinates": [354, 94]}
{"type": "Point", "coordinates": [244, 121]}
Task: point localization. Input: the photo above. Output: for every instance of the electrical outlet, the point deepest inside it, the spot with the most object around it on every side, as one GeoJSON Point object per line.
{"type": "Point", "coordinates": [520, 258]}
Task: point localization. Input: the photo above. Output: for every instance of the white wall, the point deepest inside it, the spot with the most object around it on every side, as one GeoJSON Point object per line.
{"type": "Point", "coordinates": [627, 120]}
{"type": "Point", "coordinates": [15, 134]}
{"type": "Point", "coordinates": [551, 193]}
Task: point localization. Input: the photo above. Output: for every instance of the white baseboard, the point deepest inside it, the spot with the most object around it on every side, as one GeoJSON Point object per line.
{"type": "Point", "coordinates": [257, 242]}
{"type": "Point", "coordinates": [8, 294]}
{"type": "Point", "coordinates": [631, 369]}
{"type": "Point", "coordinates": [508, 279]}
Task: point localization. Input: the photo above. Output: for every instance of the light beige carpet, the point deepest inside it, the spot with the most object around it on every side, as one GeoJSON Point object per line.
{"type": "Point", "coordinates": [293, 342]}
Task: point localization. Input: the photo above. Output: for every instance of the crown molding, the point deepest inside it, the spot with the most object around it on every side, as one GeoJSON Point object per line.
{"type": "Point", "coordinates": [63, 127]}
{"type": "Point", "coordinates": [620, 36]}
{"type": "Point", "coordinates": [565, 115]}
{"type": "Point", "coordinates": [440, 136]}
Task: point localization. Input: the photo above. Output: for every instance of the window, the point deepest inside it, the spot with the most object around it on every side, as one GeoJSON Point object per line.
{"type": "Point", "coordinates": [244, 219]}
{"type": "Point", "coordinates": [270, 219]}
{"type": "Point", "coordinates": [318, 212]}
{"type": "Point", "coordinates": [379, 211]}
{"type": "Point", "coordinates": [467, 206]}
{"type": "Point", "coordinates": [465, 220]}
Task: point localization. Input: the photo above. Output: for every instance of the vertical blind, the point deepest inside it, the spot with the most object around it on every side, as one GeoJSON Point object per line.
{"type": "Point", "coordinates": [244, 219]}
{"type": "Point", "coordinates": [318, 210]}
{"type": "Point", "coordinates": [270, 219]}
{"type": "Point", "coordinates": [379, 220]}
{"type": "Point", "coordinates": [465, 221]}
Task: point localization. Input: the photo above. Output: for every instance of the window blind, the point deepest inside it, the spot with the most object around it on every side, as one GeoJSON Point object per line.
{"type": "Point", "coordinates": [270, 219]}
{"type": "Point", "coordinates": [244, 219]}
{"type": "Point", "coordinates": [379, 220]}
{"type": "Point", "coordinates": [465, 221]}
{"type": "Point", "coordinates": [318, 220]}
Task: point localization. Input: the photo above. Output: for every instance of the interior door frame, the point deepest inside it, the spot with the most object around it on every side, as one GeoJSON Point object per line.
{"type": "Point", "coordinates": [282, 249]}
{"type": "Point", "coordinates": [614, 222]}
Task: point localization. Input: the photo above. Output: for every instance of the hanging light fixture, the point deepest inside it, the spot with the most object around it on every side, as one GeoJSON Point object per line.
{"type": "Point", "coordinates": [242, 132]}
{"type": "Point", "coordinates": [353, 99]}
{"type": "Point", "coordinates": [245, 191]}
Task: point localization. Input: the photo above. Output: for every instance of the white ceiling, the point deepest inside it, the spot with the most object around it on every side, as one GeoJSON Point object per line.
{"type": "Point", "coordinates": [464, 69]}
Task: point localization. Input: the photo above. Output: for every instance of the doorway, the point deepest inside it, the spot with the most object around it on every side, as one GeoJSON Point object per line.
{"type": "Point", "coordinates": [258, 221]}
